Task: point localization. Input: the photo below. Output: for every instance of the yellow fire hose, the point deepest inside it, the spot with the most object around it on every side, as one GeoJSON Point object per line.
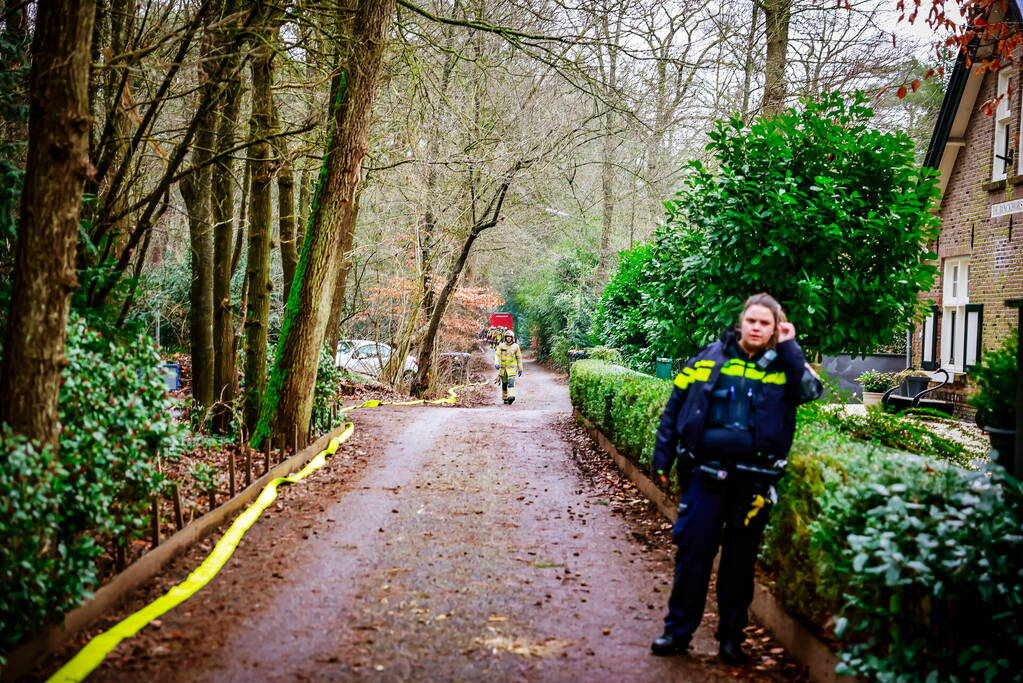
{"type": "Point", "coordinates": [96, 650]}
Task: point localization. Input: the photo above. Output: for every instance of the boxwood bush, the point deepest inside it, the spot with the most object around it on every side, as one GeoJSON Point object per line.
{"type": "Point", "coordinates": [59, 508]}
{"type": "Point", "coordinates": [913, 562]}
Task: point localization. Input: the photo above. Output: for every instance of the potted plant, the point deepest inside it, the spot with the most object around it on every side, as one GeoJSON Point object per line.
{"type": "Point", "coordinates": [874, 385]}
{"type": "Point", "coordinates": [916, 381]}
{"type": "Point", "coordinates": [995, 399]}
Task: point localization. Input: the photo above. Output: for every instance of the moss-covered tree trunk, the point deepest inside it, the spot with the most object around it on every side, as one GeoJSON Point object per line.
{"type": "Point", "coordinates": [56, 167]}
{"type": "Point", "coordinates": [257, 272]}
{"type": "Point", "coordinates": [289, 397]}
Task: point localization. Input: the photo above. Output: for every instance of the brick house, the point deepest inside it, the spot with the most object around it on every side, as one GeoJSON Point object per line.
{"type": "Point", "coordinates": [980, 249]}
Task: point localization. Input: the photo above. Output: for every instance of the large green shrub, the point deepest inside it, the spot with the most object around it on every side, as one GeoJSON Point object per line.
{"type": "Point", "coordinates": [58, 510]}
{"type": "Point", "coordinates": [815, 206]}
{"type": "Point", "coordinates": [996, 380]}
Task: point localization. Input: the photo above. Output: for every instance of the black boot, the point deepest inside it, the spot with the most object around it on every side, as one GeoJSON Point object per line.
{"type": "Point", "coordinates": [669, 644]}
{"type": "Point", "coordinates": [511, 399]}
{"type": "Point", "coordinates": [731, 652]}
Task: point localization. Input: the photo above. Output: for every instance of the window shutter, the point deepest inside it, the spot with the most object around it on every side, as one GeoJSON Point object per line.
{"type": "Point", "coordinates": [929, 346]}
{"type": "Point", "coordinates": [974, 333]}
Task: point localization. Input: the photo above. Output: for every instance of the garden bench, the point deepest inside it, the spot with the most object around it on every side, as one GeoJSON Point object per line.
{"type": "Point", "coordinates": [899, 397]}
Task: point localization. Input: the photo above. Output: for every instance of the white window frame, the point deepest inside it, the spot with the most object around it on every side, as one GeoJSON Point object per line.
{"type": "Point", "coordinates": [954, 300]}
{"type": "Point", "coordinates": [1003, 114]}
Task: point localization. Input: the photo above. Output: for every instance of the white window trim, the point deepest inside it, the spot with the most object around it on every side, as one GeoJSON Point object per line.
{"type": "Point", "coordinates": [1003, 115]}
{"type": "Point", "coordinates": [955, 297]}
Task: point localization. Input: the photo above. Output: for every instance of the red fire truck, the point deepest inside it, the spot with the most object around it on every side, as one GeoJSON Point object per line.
{"type": "Point", "coordinates": [505, 320]}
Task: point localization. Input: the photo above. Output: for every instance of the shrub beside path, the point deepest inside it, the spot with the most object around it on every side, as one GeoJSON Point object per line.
{"type": "Point", "coordinates": [443, 544]}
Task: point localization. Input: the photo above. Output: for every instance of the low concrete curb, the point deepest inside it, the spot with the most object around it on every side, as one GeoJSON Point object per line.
{"type": "Point", "coordinates": [801, 644]}
{"type": "Point", "coordinates": [21, 660]}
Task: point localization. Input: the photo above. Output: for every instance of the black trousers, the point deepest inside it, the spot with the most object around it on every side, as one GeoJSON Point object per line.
{"type": "Point", "coordinates": [713, 514]}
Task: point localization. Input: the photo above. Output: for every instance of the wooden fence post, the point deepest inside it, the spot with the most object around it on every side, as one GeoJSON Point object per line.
{"type": "Point", "coordinates": [248, 465]}
{"type": "Point", "coordinates": [179, 520]}
{"type": "Point", "coordinates": [154, 520]}
{"type": "Point", "coordinates": [230, 472]}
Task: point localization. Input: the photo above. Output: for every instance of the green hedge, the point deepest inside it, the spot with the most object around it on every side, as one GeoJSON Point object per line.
{"type": "Point", "coordinates": [916, 562]}
{"type": "Point", "coordinates": [625, 404]}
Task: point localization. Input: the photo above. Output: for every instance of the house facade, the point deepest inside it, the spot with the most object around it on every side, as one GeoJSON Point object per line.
{"type": "Point", "coordinates": [979, 154]}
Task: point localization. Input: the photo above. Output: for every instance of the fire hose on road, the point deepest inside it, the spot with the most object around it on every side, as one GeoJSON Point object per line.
{"type": "Point", "coordinates": [97, 649]}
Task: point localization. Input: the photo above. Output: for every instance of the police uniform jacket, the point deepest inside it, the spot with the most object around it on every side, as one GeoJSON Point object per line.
{"type": "Point", "coordinates": [784, 383]}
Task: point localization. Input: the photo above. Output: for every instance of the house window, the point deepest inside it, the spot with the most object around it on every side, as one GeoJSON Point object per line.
{"type": "Point", "coordinates": [954, 319]}
{"type": "Point", "coordinates": [1003, 148]}
{"type": "Point", "coordinates": [974, 330]}
{"type": "Point", "coordinates": [930, 340]}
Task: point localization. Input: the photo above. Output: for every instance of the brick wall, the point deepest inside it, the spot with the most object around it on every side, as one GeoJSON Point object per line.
{"type": "Point", "coordinates": [994, 245]}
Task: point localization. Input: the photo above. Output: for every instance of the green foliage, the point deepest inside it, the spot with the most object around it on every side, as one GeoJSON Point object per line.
{"type": "Point", "coordinates": [625, 404]}
{"type": "Point", "coordinates": [556, 301]}
{"type": "Point", "coordinates": [814, 206]}
{"type": "Point", "coordinates": [606, 354]}
{"type": "Point", "coordinates": [896, 431]}
{"type": "Point", "coordinates": [872, 380]}
{"type": "Point", "coordinates": [328, 383]}
{"type": "Point", "coordinates": [929, 564]}
{"type": "Point", "coordinates": [60, 508]}
{"type": "Point", "coordinates": [996, 380]}
{"type": "Point", "coordinates": [204, 476]}
{"type": "Point", "coordinates": [647, 308]}
{"type": "Point", "coordinates": [44, 571]}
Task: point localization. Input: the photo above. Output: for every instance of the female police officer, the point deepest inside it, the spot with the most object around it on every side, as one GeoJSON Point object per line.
{"type": "Point", "coordinates": [729, 423]}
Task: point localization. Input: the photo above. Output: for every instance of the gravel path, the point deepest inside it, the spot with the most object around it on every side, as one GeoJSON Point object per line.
{"type": "Point", "coordinates": [443, 544]}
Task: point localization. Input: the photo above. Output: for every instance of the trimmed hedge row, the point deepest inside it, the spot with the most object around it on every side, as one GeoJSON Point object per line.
{"type": "Point", "coordinates": [914, 564]}
{"type": "Point", "coordinates": [625, 404]}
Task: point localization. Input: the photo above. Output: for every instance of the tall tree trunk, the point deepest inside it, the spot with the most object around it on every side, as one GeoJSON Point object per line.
{"type": "Point", "coordinates": [257, 271]}
{"type": "Point", "coordinates": [287, 407]}
{"type": "Point", "coordinates": [222, 185]}
{"type": "Point", "coordinates": [195, 191]}
{"type": "Point", "coordinates": [749, 63]}
{"type": "Point", "coordinates": [608, 205]}
{"type": "Point", "coordinates": [777, 14]}
{"type": "Point", "coordinates": [337, 301]}
{"type": "Point", "coordinates": [287, 218]}
{"type": "Point", "coordinates": [56, 167]}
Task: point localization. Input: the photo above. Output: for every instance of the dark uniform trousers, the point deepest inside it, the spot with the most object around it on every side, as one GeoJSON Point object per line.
{"type": "Point", "coordinates": [713, 513]}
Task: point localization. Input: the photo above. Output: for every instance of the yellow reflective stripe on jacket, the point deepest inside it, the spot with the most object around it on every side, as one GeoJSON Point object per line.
{"type": "Point", "coordinates": [508, 356]}
{"type": "Point", "coordinates": [690, 375]}
{"type": "Point", "coordinates": [737, 367]}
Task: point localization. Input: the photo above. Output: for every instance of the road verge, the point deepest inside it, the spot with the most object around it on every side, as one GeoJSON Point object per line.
{"type": "Point", "coordinates": [21, 659]}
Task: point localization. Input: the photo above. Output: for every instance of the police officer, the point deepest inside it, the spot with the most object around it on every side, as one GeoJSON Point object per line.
{"type": "Point", "coordinates": [729, 423]}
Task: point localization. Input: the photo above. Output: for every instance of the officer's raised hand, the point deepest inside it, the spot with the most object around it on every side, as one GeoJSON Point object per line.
{"type": "Point", "coordinates": [786, 331]}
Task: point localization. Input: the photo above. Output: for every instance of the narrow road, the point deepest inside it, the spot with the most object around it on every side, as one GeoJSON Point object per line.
{"type": "Point", "coordinates": [446, 544]}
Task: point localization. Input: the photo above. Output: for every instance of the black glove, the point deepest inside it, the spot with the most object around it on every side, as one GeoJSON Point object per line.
{"type": "Point", "coordinates": [520, 373]}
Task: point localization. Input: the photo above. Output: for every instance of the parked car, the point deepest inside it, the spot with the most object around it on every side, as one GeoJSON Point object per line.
{"type": "Point", "coordinates": [369, 358]}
